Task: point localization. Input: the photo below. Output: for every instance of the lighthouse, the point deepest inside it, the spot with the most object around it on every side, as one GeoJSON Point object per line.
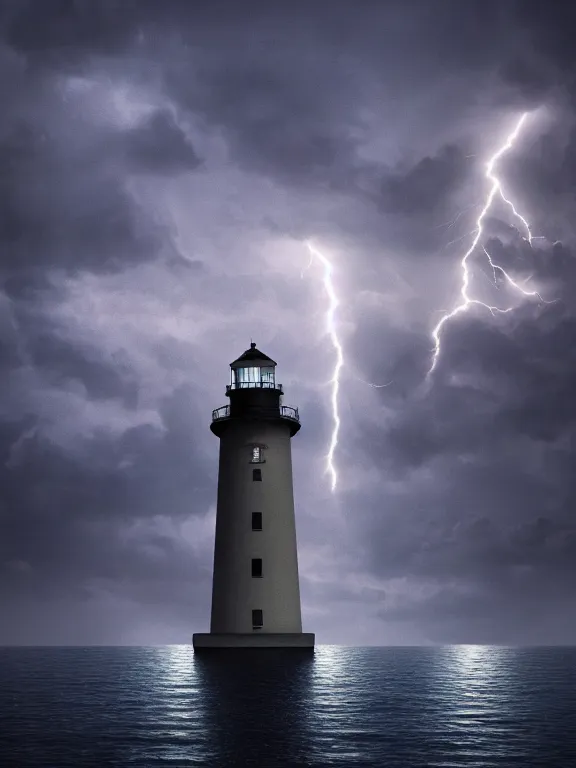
{"type": "Point", "coordinates": [255, 587]}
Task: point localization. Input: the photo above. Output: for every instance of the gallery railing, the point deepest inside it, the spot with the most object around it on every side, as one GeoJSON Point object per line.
{"type": "Point", "coordinates": [286, 412]}
{"type": "Point", "coordinates": [253, 385]}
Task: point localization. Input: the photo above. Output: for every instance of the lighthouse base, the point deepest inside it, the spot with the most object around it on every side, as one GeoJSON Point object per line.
{"type": "Point", "coordinates": [207, 641]}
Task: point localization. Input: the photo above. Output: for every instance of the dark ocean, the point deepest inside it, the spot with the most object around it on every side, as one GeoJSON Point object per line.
{"type": "Point", "coordinates": [448, 706]}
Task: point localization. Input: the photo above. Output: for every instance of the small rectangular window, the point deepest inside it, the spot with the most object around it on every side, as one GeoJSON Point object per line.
{"type": "Point", "coordinates": [256, 521]}
{"type": "Point", "coordinates": [257, 618]}
{"type": "Point", "coordinates": [257, 475]}
{"type": "Point", "coordinates": [256, 454]}
{"type": "Point", "coordinates": [256, 567]}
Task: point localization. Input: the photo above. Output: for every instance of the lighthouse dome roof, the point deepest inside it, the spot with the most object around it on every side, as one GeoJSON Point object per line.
{"type": "Point", "coordinates": [252, 356]}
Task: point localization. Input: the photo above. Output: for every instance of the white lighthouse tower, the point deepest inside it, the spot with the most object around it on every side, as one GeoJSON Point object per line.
{"type": "Point", "coordinates": [255, 590]}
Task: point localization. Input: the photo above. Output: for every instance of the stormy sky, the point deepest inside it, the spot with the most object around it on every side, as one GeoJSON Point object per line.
{"type": "Point", "coordinates": [162, 165]}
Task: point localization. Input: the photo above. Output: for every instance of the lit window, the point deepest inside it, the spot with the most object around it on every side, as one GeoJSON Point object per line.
{"type": "Point", "coordinates": [256, 521]}
{"type": "Point", "coordinates": [257, 618]}
{"type": "Point", "coordinates": [256, 567]}
{"type": "Point", "coordinates": [257, 475]}
{"type": "Point", "coordinates": [257, 454]}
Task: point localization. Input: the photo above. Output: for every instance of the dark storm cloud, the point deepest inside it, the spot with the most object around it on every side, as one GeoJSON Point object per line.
{"type": "Point", "coordinates": [487, 448]}
{"type": "Point", "coordinates": [69, 30]}
{"type": "Point", "coordinates": [425, 191]}
{"type": "Point", "coordinates": [550, 33]}
{"type": "Point", "coordinates": [488, 451]}
{"type": "Point", "coordinates": [63, 362]}
{"type": "Point", "coordinates": [64, 515]}
{"type": "Point", "coordinates": [371, 124]}
{"type": "Point", "coordinates": [288, 82]}
{"type": "Point", "coordinates": [64, 199]}
{"type": "Point", "coordinates": [65, 204]}
{"type": "Point", "coordinates": [159, 146]}
{"type": "Point", "coordinates": [422, 188]}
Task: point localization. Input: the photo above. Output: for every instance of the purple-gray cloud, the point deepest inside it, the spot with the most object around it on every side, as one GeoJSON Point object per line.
{"type": "Point", "coordinates": [161, 165]}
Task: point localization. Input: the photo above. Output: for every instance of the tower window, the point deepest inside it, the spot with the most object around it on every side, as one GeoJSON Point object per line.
{"type": "Point", "coordinates": [257, 618]}
{"type": "Point", "coordinates": [256, 521]}
{"type": "Point", "coordinates": [257, 475]}
{"type": "Point", "coordinates": [256, 567]}
{"type": "Point", "coordinates": [257, 455]}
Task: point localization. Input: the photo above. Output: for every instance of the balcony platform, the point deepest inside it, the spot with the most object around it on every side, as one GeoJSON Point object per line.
{"type": "Point", "coordinates": [283, 414]}
{"type": "Point", "coordinates": [206, 641]}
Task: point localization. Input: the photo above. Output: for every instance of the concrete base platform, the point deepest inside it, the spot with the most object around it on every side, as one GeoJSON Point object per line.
{"type": "Point", "coordinates": [205, 641]}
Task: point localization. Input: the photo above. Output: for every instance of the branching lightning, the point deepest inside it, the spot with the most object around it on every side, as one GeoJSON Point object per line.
{"type": "Point", "coordinates": [509, 280]}
{"type": "Point", "coordinates": [494, 191]}
{"type": "Point", "coordinates": [466, 302]}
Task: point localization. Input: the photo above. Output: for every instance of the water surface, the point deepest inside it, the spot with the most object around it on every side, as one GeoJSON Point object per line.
{"type": "Point", "coordinates": [450, 706]}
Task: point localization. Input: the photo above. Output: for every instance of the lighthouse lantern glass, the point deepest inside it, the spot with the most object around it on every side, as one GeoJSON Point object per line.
{"type": "Point", "coordinates": [248, 378]}
{"type": "Point", "coordinates": [267, 377]}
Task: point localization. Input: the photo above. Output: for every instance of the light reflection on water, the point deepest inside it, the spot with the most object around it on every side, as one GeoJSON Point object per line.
{"type": "Point", "coordinates": [450, 706]}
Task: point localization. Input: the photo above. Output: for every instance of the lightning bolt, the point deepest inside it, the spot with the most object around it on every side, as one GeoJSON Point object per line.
{"type": "Point", "coordinates": [333, 304]}
{"type": "Point", "coordinates": [509, 280]}
{"type": "Point", "coordinates": [494, 191]}
{"type": "Point", "coordinates": [334, 382]}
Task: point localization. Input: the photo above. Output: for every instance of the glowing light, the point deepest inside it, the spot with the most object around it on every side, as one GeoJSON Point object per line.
{"type": "Point", "coordinates": [510, 281]}
{"type": "Point", "coordinates": [467, 300]}
{"type": "Point", "coordinates": [514, 211]}
{"type": "Point", "coordinates": [335, 380]}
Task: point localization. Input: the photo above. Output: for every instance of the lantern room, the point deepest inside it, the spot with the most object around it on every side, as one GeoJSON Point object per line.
{"type": "Point", "coordinates": [253, 370]}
